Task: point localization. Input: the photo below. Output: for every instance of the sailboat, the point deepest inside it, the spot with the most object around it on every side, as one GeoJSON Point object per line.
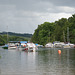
{"type": "Point", "coordinates": [49, 44]}
{"type": "Point", "coordinates": [10, 44]}
{"type": "Point", "coordinates": [6, 45]}
{"type": "Point", "coordinates": [68, 44]}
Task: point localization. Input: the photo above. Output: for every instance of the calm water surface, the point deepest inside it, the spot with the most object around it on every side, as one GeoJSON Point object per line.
{"type": "Point", "coordinates": [45, 61]}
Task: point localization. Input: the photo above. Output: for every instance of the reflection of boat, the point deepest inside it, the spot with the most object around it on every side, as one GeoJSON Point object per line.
{"type": "Point", "coordinates": [30, 47]}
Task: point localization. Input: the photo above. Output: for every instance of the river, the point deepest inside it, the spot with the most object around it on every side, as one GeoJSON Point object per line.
{"type": "Point", "coordinates": [44, 61]}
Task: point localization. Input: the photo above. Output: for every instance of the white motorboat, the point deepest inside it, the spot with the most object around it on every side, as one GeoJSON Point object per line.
{"type": "Point", "coordinates": [13, 45]}
{"type": "Point", "coordinates": [49, 45]}
{"type": "Point", "coordinates": [22, 45]}
{"type": "Point", "coordinates": [31, 47]}
{"type": "Point", "coordinates": [59, 44]}
{"type": "Point", "coordinates": [68, 45]}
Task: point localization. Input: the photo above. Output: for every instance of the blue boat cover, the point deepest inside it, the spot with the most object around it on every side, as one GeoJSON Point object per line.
{"type": "Point", "coordinates": [23, 41]}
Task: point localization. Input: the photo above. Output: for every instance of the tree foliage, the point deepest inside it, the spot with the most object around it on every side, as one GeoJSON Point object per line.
{"type": "Point", "coordinates": [49, 32]}
{"type": "Point", "coordinates": [4, 40]}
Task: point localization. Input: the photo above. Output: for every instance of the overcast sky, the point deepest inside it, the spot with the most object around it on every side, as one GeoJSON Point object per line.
{"type": "Point", "coordinates": [24, 16]}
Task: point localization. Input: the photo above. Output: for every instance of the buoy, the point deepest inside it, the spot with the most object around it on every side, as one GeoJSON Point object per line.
{"type": "Point", "coordinates": [59, 51]}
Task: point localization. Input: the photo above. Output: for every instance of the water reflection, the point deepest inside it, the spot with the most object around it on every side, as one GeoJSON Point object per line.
{"type": "Point", "coordinates": [45, 61]}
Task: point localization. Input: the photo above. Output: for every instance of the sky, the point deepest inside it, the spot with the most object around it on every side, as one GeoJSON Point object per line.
{"type": "Point", "coordinates": [24, 16]}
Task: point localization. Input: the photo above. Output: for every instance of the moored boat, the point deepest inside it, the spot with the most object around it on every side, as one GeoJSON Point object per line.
{"type": "Point", "coordinates": [31, 47]}
{"type": "Point", "coordinates": [5, 46]}
{"type": "Point", "coordinates": [22, 45]}
{"type": "Point", "coordinates": [68, 45]}
{"type": "Point", "coordinates": [11, 45]}
{"type": "Point", "coordinates": [39, 46]}
{"type": "Point", "coordinates": [49, 45]}
{"type": "Point", "coordinates": [59, 44]}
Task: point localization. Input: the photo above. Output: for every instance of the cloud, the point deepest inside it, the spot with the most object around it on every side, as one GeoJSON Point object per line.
{"type": "Point", "coordinates": [70, 3]}
{"type": "Point", "coordinates": [25, 15]}
{"type": "Point", "coordinates": [66, 9]}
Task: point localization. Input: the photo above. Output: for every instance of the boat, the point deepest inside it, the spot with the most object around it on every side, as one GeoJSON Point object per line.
{"type": "Point", "coordinates": [5, 46]}
{"type": "Point", "coordinates": [68, 45]}
{"type": "Point", "coordinates": [22, 45]}
{"type": "Point", "coordinates": [72, 45]}
{"type": "Point", "coordinates": [31, 47]}
{"type": "Point", "coordinates": [13, 44]}
{"type": "Point", "coordinates": [49, 45]}
{"type": "Point", "coordinates": [10, 44]}
{"type": "Point", "coordinates": [38, 45]}
{"type": "Point", "coordinates": [59, 44]}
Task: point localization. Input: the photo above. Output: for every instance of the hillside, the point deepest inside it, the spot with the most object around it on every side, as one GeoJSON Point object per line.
{"type": "Point", "coordinates": [13, 37]}
{"type": "Point", "coordinates": [17, 34]}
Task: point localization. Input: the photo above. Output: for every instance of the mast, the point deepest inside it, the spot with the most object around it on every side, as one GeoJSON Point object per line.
{"type": "Point", "coordinates": [64, 37]}
{"type": "Point", "coordinates": [49, 35]}
{"type": "Point", "coordinates": [68, 40]}
{"type": "Point", "coordinates": [7, 34]}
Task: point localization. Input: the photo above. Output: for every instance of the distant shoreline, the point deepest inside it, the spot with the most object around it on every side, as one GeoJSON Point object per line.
{"type": "Point", "coordinates": [17, 34]}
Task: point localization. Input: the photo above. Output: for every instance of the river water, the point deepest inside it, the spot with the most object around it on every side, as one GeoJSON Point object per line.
{"type": "Point", "coordinates": [44, 61]}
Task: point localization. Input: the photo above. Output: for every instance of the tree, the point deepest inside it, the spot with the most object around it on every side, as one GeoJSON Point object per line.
{"type": "Point", "coordinates": [56, 31]}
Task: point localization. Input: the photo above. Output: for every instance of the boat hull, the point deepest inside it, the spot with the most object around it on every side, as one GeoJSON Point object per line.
{"type": "Point", "coordinates": [5, 47]}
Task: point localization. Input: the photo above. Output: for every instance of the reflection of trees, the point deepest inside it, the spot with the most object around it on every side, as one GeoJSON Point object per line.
{"type": "Point", "coordinates": [45, 58]}
{"type": "Point", "coordinates": [50, 60]}
{"type": "Point", "coordinates": [68, 61]}
{"type": "Point", "coordinates": [72, 59]}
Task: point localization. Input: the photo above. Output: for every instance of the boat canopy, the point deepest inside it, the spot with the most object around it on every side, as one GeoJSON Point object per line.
{"type": "Point", "coordinates": [13, 41]}
{"type": "Point", "coordinates": [23, 42]}
{"type": "Point", "coordinates": [36, 44]}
